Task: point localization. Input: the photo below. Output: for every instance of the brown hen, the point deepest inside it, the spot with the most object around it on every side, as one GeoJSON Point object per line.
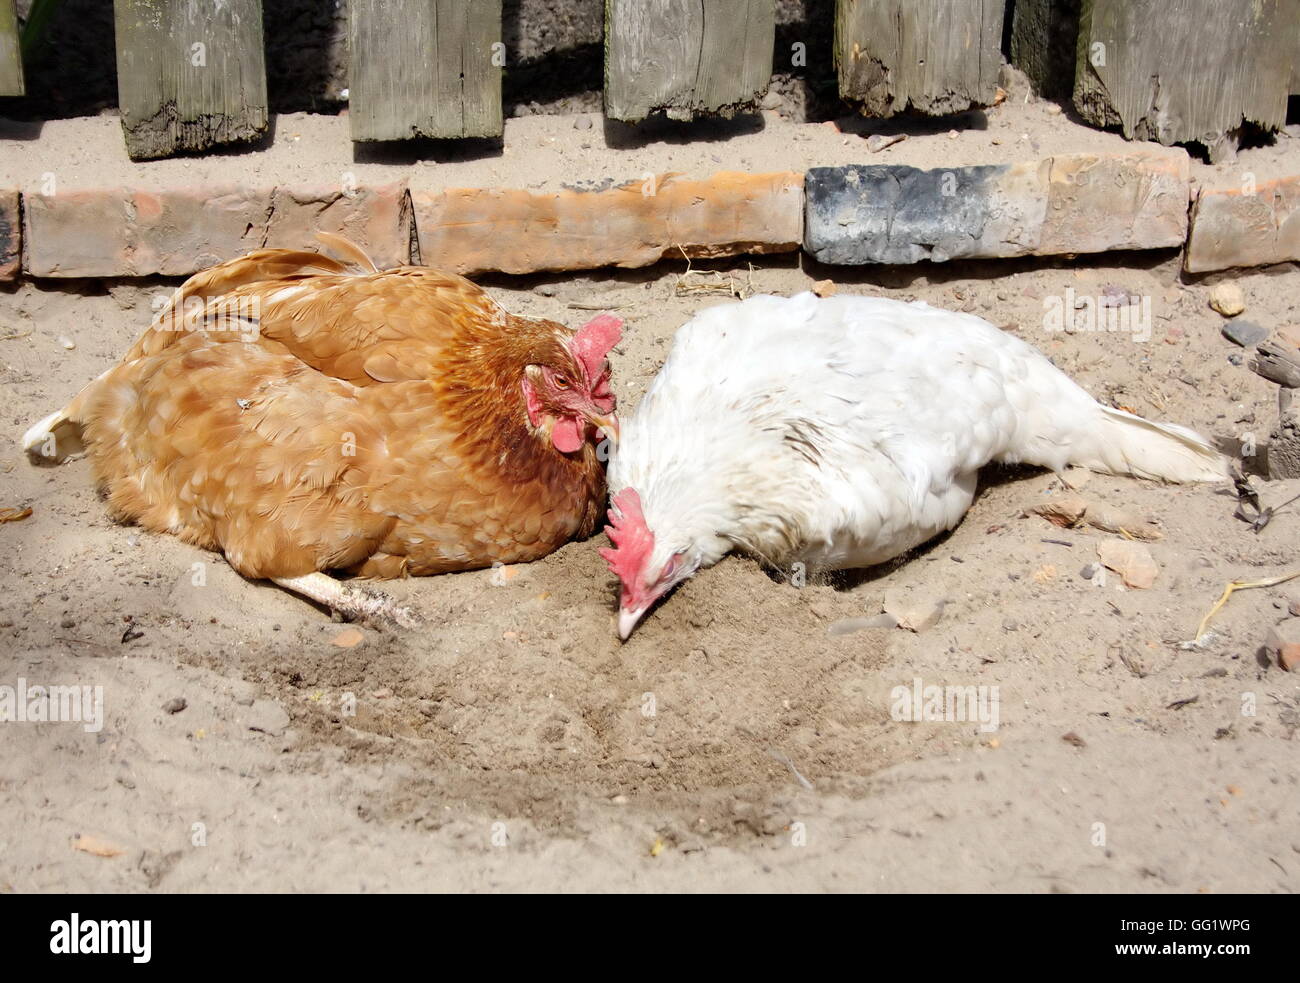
{"type": "Point", "coordinates": [304, 414]}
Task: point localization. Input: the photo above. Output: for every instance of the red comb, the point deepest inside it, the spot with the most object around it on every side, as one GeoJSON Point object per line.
{"type": "Point", "coordinates": [594, 340]}
{"type": "Point", "coordinates": [630, 535]}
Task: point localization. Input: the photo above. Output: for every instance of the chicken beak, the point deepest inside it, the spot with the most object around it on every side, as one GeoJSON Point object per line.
{"type": "Point", "coordinates": [608, 425]}
{"type": "Point", "coordinates": [627, 620]}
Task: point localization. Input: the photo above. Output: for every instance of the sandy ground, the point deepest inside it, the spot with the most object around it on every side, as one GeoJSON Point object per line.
{"type": "Point", "coordinates": [582, 150]}
{"type": "Point", "coordinates": [508, 745]}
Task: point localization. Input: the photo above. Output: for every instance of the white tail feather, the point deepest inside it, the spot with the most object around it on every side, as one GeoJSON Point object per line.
{"type": "Point", "coordinates": [1128, 444]}
{"type": "Point", "coordinates": [55, 439]}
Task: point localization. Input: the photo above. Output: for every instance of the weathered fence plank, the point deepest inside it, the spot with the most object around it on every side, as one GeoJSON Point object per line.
{"type": "Point", "coordinates": [425, 68]}
{"type": "Point", "coordinates": [1178, 71]}
{"type": "Point", "coordinates": [1044, 35]}
{"type": "Point", "coordinates": [686, 57]}
{"type": "Point", "coordinates": [1295, 62]}
{"type": "Point", "coordinates": [190, 75]}
{"type": "Point", "coordinates": [11, 59]}
{"type": "Point", "coordinates": [936, 56]}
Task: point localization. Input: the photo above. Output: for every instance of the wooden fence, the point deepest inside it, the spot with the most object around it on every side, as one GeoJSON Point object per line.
{"type": "Point", "coordinates": [191, 73]}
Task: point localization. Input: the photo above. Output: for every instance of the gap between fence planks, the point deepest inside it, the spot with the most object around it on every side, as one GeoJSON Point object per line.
{"type": "Point", "coordinates": [686, 57]}
{"type": "Point", "coordinates": [425, 68]}
{"type": "Point", "coordinates": [1044, 37]}
{"type": "Point", "coordinates": [190, 76]}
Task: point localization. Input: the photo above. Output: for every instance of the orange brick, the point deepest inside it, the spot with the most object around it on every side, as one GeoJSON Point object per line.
{"type": "Point", "coordinates": [1240, 226]}
{"type": "Point", "coordinates": [1099, 202]}
{"type": "Point", "coordinates": [475, 230]}
{"type": "Point", "coordinates": [376, 219]}
{"type": "Point", "coordinates": [127, 232]}
{"type": "Point", "coordinates": [113, 232]}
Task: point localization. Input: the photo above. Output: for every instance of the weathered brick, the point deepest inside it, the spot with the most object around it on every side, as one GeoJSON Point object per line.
{"type": "Point", "coordinates": [1076, 203]}
{"type": "Point", "coordinates": [472, 230]}
{"type": "Point", "coordinates": [1099, 202]}
{"type": "Point", "coordinates": [887, 213]}
{"type": "Point", "coordinates": [76, 233]}
{"type": "Point", "coordinates": [377, 219]}
{"type": "Point", "coordinates": [115, 232]}
{"type": "Point", "coordinates": [1245, 226]}
{"type": "Point", "coordinates": [11, 234]}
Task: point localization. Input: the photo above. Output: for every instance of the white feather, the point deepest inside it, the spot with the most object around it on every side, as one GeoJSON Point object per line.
{"type": "Point", "coordinates": [844, 431]}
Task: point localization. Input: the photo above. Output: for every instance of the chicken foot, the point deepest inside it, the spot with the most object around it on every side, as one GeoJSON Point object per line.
{"type": "Point", "coordinates": [353, 602]}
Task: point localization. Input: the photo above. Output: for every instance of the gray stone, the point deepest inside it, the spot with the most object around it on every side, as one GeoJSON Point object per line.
{"type": "Point", "coordinates": [1247, 334]}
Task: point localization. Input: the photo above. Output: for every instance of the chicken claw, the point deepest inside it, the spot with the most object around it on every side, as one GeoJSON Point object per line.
{"type": "Point", "coordinates": [353, 601]}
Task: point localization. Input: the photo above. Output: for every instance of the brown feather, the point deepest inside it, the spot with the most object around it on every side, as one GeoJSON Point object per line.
{"type": "Point", "coordinates": [366, 422]}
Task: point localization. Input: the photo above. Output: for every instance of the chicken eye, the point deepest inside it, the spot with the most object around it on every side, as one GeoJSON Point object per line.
{"type": "Point", "coordinates": [561, 382]}
{"type": "Point", "coordinates": [670, 568]}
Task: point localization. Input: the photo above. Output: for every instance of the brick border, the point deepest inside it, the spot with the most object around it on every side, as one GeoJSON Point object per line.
{"type": "Point", "coordinates": [858, 214]}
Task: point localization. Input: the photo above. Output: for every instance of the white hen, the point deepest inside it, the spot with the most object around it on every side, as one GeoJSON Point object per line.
{"type": "Point", "coordinates": [841, 432]}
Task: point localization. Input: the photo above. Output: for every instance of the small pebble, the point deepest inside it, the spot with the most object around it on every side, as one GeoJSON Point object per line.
{"type": "Point", "coordinates": [1227, 299]}
{"type": "Point", "coordinates": [175, 705]}
{"type": "Point", "coordinates": [267, 717]}
{"type": "Point", "coordinates": [879, 141]}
